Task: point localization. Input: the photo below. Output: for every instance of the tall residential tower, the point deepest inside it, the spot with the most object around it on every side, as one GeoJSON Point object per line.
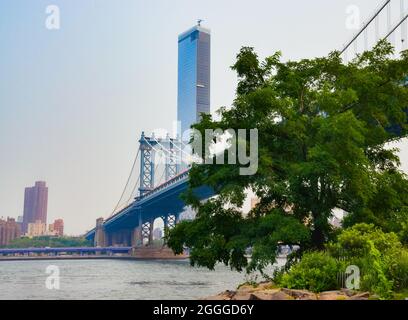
{"type": "Point", "coordinates": [194, 64]}
{"type": "Point", "coordinates": [35, 204]}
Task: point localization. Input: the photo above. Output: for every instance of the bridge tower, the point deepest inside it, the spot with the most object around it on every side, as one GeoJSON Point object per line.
{"type": "Point", "coordinates": [172, 158]}
{"type": "Point", "coordinates": [100, 235]}
{"type": "Point", "coordinates": [146, 164]}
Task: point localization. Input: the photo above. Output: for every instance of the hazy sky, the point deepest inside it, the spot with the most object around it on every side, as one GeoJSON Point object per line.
{"type": "Point", "coordinates": [73, 102]}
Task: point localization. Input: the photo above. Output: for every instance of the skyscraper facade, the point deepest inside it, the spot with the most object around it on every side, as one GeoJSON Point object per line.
{"type": "Point", "coordinates": [35, 204]}
{"type": "Point", "coordinates": [194, 64]}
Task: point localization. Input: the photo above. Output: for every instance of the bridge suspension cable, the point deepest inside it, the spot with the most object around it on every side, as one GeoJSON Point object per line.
{"type": "Point", "coordinates": [384, 10]}
{"type": "Point", "coordinates": [153, 148]}
{"type": "Point", "coordinates": [175, 145]}
{"type": "Point", "coordinates": [132, 194]}
{"type": "Point", "coordinates": [366, 25]}
{"type": "Point", "coordinates": [397, 26]}
{"type": "Point", "coordinates": [127, 183]}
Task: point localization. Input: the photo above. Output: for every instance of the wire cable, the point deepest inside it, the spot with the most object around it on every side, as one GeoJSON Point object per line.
{"type": "Point", "coordinates": [127, 183]}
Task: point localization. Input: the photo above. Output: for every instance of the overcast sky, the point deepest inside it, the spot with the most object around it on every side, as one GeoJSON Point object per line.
{"type": "Point", "coordinates": [73, 101]}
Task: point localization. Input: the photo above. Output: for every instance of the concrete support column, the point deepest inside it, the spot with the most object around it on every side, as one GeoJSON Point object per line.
{"type": "Point", "coordinates": [100, 234]}
{"type": "Point", "coordinates": [165, 221]}
{"type": "Point", "coordinates": [137, 238]}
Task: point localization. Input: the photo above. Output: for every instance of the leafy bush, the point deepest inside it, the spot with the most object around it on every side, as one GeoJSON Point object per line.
{"type": "Point", "coordinates": [359, 240]}
{"type": "Point", "coordinates": [380, 256]}
{"type": "Point", "coordinates": [382, 260]}
{"type": "Point", "coordinates": [317, 272]}
{"type": "Point", "coordinates": [398, 271]}
{"type": "Point", "coordinates": [374, 268]}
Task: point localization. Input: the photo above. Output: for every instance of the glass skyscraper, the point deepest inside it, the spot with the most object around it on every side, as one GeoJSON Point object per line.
{"type": "Point", "coordinates": [194, 63]}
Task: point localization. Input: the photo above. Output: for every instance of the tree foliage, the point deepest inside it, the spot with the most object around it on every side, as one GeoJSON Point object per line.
{"type": "Point", "coordinates": [49, 241]}
{"type": "Point", "coordinates": [323, 129]}
{"type": "Point", "coordinates": [317, 272]}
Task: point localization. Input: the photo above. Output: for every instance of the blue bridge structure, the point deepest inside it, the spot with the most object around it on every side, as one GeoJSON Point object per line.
{"type": "Point", "coordinates": [133, 224]}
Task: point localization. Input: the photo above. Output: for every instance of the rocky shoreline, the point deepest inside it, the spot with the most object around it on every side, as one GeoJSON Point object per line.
{"type": "Point", "coordinates": [268, 291]}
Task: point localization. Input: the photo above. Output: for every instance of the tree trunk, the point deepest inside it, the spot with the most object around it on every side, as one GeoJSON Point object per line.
{"type": "Point", "coordinates": [318, 238]}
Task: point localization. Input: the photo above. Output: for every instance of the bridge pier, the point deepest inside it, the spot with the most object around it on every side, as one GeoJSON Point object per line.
{"type": "Point", "coordinates": [151, 222]}
{"type": "Point", "coordinates": [100, 239]}
{"type": "Point", "coordinates": [137, 238]}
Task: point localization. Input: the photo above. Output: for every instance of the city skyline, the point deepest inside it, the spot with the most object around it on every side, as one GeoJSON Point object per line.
{"type": "Point", "coordinates": [72, 114]}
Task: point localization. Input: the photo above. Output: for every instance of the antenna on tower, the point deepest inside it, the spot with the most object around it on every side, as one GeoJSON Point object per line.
{"type": "Point", "coordinates": [199, 22]}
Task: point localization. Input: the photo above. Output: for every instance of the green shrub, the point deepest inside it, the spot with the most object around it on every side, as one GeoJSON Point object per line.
{"type": "Point", "coordinates": [404, 233]}
{"type": "Point", "coordinates": [374, 268]}
{"type": "Point", "coordinates": [358, 241]}
{"type": "Point", "coordinates": [316, 271]}
{"type": "Point", "coordinates": [398, 271]}
{"type": "Point", "coordinates": [382, 260]}
{"type": "Point", "coordinates": [376, 253]}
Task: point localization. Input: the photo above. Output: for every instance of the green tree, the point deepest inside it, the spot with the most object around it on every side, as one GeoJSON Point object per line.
{"type": "Point", "coordinates": [322, 134]}
{"type": "Point", "coordinates": [388, 205]}
{"type": "Point", "coordinates": [49, 241]}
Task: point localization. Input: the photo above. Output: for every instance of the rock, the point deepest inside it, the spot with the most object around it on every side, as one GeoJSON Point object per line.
{"type": "Point", "coordinates": [227, 295]}
{"type": "Point", "coordinates": [259, 296]}
{"type": "Point", "coordinates": [271, 294]}
{"type": "Point", "coordinates": [246, 289]}
{"type": "Point", "coordinates": [265, 285]}
{"type": "Point", "coordinates": [216, 298]}
{"type": "Point", "coordinates": [348, 292]}
{"type": "Point", "coordinates": [333, 295]}
{"type": "Point", "coordinates": [242, 296]}
{"type": "Point", "coordinates": [361, 296]}
{"type": "Point", "coordinates": [300, 294]}
{"type": "Point", "coordinates": [267, 291]}
{"type": "Point", "coordinates": [280, 295]}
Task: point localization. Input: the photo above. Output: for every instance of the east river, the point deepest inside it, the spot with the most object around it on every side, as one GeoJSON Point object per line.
{"type": "Point", "coordinates": [113, 279]}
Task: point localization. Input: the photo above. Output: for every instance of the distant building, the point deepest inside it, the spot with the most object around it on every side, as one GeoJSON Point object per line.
{"type": "Point", "coordinates": [9, 230]}
{"type": "Point", "coordinates": [35, 204]}
{"type": "Point", "coordinates": [36, 229]}
{"type": "Point", "coordinates": [194, 70]}
{"type": "Point", "coordinates": [56, 228]}
{"type": "Point", "coordinates": [157, 234]}
{"type": "Point", "coordinates": [20, 223]}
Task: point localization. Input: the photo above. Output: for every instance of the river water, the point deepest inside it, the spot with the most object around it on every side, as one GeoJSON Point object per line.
{"type": "Point", "coordinates": [114, 279]}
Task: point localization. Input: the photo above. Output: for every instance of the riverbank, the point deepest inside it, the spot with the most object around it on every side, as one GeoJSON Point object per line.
{"type": "Point", "coordinates": [268, 291]}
